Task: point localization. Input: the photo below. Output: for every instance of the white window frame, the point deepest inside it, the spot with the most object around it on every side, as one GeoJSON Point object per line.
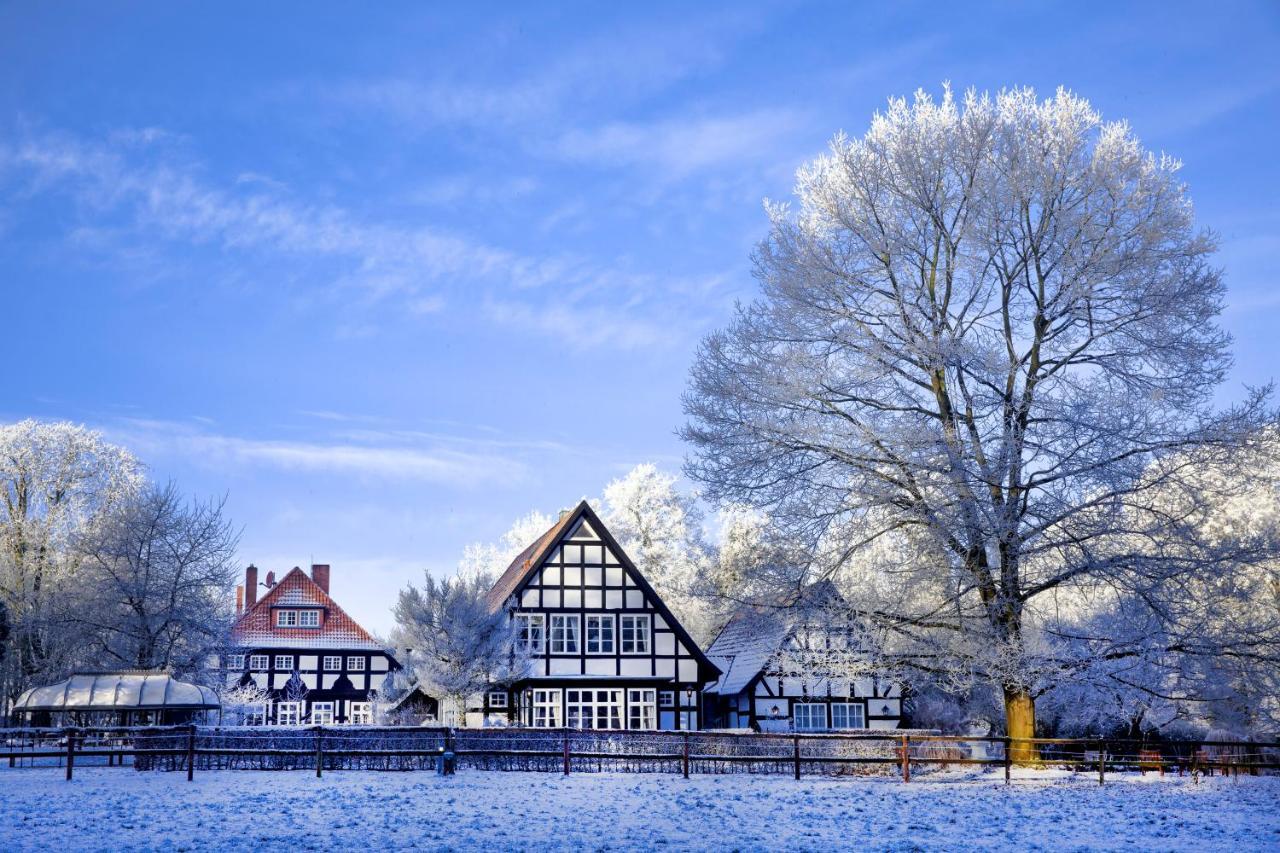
{"type": "Point", "coordinates": [332, 663]}
{"type": "Point", "coordinates": [547, 711]}
{"type": "Point", "coordinates": [235, 662]}
{"type": "Point", "coordinates": [666, 698]}
{"type": "Point", "coordinates": [286, 618]}
{"type": "Point", "coordinates": [288, 713]}
{"type": "Point", "coordinates": [498, 699]}
{"type": "Point", "coordinates": [360, 713]}
{"type": "Point", "coordinates": [593, 708]}
{"type": "Point", "coordinates": [259, 663]}
{"type": "Point", "coordinates": [257, 713]}
{"type": "Point", "coordinates": [355, 664]}
{"type": "Point", "coordinates": [308, 618]}
{"type": "Point", "coordinates": [855, 713]}
{"type": "Point", "coordinates": [562, 640]}
{"type": "Point", "coordinates": [604, 628]}
{"type": "Point", "coordinates": [641, 626]}
{"type": "Point", "coordinates": [642, 708]}
{"type": "Point", "coordinates": [808, 726]}
{"type": "Point", "coordinates": [287, 664]}
{"type": "Point", "coordinates": [322, 713]}
{"type": "Point", "coordinates": [525, 623]}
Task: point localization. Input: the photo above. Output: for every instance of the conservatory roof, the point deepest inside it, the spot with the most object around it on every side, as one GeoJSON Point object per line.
{"type": "Point", "coordinates": [140, 690]}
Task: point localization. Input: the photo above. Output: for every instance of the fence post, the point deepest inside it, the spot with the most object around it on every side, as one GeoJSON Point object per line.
{"type": "Point", "coordinates": [319, 751]}
{"type": "Point", "coordinates": [906, 759]}
{"type": "Point", "coordinates": [71, 751]}
{"type": "Point", "coordinates": [796, 739]}
{"type": "Point", "coordinates": [566, 752]}
{"type": "Point", "coordinates": [1102, 761]}
{"type": "Point", "coordinates": [191, 753]}
{"type": "Point", "coordinates": [686, 755]}
{"type": "Point", "coordinates": [1008, 758]}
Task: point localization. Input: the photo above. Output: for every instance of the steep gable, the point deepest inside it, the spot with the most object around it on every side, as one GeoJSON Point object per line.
{"type": "Point", "coordinates": [256, 626]}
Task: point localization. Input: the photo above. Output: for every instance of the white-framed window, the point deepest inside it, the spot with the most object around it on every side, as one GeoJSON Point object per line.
{"type": "Point", "coordinates": [641, 708]}
{"type": "Point", "coordinates": [667, 698]}
{"type": "Point", "coordinates": [531, 632]}
{"type": "Point", "coordinates": [355, 664]}
{"type": "Point", "coordinates": [635, 633]}
{"type": "Point", "coordinates": [361, 713]}
{"type": "Point", "coordinates": [497, 698]}
{"type": "Point", "coordinates": [599, 634]}
{"type": "Point", "coordinates": [333, 663]}
{"type": "Point", "coordinates": [809, 716]}
{"type": "Point", "coordinates": [593, 709]}
{"type": "Point", "coordinates": [564, 634]}
{"type": "Point", "coordinates": [546, 709]}
{"type": "Point", "coordinates": [235, 661]}
{"type": "Point", "coordinates": [286, 618]}
{"type": "Point", "coordinates": [848, 715]}
{"type": "Point", "coordinates": [288, 713]}
{"type": "Point", "coordinates": [321, 713]}
{"type": "Point", "coordinates": [255, 714]}
{"type": "Point", "coordinates": [308, 618]}
{"type": "Point", "coordinates": [284, 662]}
{"type": "Point", "coordinates": [258, 663]}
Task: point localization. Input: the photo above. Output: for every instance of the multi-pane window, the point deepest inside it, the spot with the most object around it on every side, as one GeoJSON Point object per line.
{"type": "Point", "coordinates": [288, 713]}
{"type": "Point", "coordinates": [257, 663]}
{"type": "Point", "coordinates": [284, 661]}
{"type": "Point", "coordinates": [546, 709]}
{"type": "Point", "coordinates": [635, 634]}
{"type": "Point", "coordinates": [497, 698]}
{"type": "Point", "coordinates": [332, 663]}
{"type": "Point", "coordinates": [361, 713]}
{"type": "Point", "coordinates": [297, 618]}
{"type": "Point", "coordinates": [641, 712]}
{"type": "Point", "coordinates": [531, 632]}
{"type": "Point", "coordinates": [355, 664]}
{"type": "Point", "coordinates": [599, 635]}
{"type": "Point", "coordinates": [848, 715]}
{"type": "Point", "coordinates": [308, 618]}
{"type": "Point", "coordinates": [667, 698]}
{"type": "Point", "coordinates": [564, 634]}
{"type": "Point", "coordinates": [235, 661]}
{"type": "Point", "coordinates": [593, 709]}
{"type": "Point", "coordinates": [322, 713]}
{"type": "Point", "coordinates": [810, 716]}
{"type": "Point", "coordinates": [286, 618]}
{"type": "Point", "coordinates": [255, 714]}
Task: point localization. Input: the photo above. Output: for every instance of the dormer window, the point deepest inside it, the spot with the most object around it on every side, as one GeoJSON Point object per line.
{"type": "Point", "coordinates": [297, 618]}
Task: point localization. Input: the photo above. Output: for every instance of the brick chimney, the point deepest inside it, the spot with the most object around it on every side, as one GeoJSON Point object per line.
{"type": "Point", "coordinates": [250, 586]}
{"type": "Point", "coordinates": [320, 574]}
{"type": "Point", "coordinates": [239, 599]}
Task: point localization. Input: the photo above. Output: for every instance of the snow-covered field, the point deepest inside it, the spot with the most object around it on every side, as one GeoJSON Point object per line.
{"type": "Point", "coordinates": [113, 809]}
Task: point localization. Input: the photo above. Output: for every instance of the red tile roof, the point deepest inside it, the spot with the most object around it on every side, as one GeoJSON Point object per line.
{"type": "Point", "coordinates": [526, 560]}
{"type": "Point", "coordinates": [257, 628]}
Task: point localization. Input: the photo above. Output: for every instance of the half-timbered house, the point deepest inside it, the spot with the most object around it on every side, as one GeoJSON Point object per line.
{"type": "Point", "coordinates": [316, 664]}
{"type": "Point", "coordinates": [605, 651]}
{"type": "Point", "coordinates": [798, 667]}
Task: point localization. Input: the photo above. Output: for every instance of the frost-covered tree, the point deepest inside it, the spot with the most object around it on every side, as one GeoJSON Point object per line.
{"type": "Point", "coordinates": [155, 583]}
{"type": "Point", "coordinates": [58, 483]}
{"type": "Point", "coordinates": [491, 559]}
{"type": "Point", "coordinates": [460, 647]}
{"type": "Point", "coordinates": [660, 528]}
{"type": "Point", "coordinates": [980, 328]}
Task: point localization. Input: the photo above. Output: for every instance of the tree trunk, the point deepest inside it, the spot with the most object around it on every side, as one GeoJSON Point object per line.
{"type": "Point", "coordinates": [1020, 722]}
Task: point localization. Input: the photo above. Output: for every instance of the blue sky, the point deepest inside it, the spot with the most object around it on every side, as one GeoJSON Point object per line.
{"type": "Point", "coordinates": [389, 277]}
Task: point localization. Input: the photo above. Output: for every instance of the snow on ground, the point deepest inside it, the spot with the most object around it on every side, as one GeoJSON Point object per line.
{"type": "Point", "coordinates": [118, 808]}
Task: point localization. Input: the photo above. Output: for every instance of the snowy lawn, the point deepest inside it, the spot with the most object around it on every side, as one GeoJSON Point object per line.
{"type": "Point", "coordinates": [111, 809]}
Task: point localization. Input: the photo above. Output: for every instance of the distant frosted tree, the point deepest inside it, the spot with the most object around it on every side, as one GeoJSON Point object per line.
{"type": "Point", "coordinates": [460, 647]}
{"type": "Point", "coordinates": [59, 482]}
{"type": "Point", "coordinates": [492, 559]}
{"type": "Point", "coordinates": [982, 325]}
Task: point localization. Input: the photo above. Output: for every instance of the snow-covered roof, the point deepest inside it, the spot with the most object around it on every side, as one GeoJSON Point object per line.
{"type": "Point", "coordinates": [744, 647]}
{"type": "Point", "coordinates": [113, 691]}
{"type": "Point", "coordinates": [257, 628]}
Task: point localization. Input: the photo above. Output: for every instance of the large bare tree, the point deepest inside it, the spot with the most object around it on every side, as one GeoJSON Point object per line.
{"type": "Point", "coordinates": [982, 326]}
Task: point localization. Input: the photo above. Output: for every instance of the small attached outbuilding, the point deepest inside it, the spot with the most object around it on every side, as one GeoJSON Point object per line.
{"type": "Point", "coordinates": [130, 698]}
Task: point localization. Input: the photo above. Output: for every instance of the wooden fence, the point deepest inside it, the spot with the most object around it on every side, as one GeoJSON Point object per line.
{"type": "Point", "coordinates": [318, 748]}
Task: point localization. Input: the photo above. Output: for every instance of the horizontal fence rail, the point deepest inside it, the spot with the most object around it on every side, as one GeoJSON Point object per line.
{"type": "Point", "coordinates": [320, 748]}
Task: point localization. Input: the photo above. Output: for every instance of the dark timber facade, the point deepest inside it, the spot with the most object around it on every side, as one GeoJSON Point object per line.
{"type": "Point", "coordinates": [606, 652]}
